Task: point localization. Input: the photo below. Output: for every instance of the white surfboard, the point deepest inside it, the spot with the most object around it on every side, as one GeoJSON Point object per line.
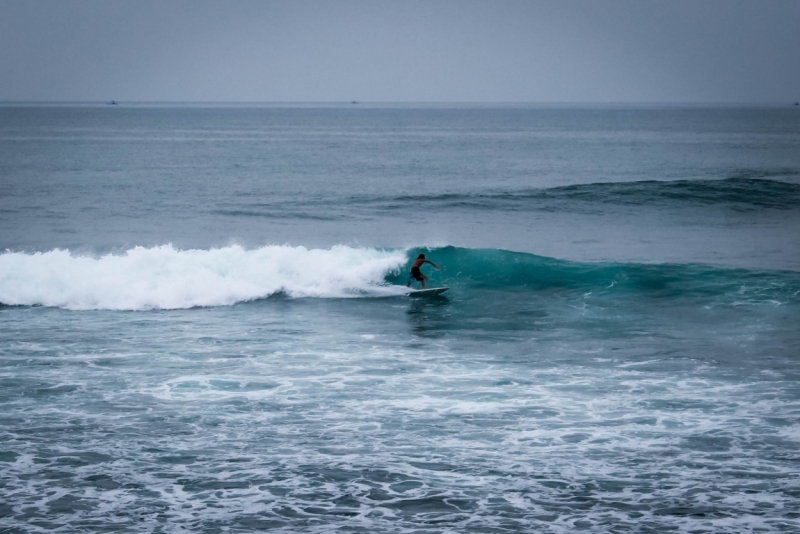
{"type": "Point", "coordinates": [428, 292]}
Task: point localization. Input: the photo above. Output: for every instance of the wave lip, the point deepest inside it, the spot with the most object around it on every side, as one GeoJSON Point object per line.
{"type": "Point", "coordinates": [166, 278]}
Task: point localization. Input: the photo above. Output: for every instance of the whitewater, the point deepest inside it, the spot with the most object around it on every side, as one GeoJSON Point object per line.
{"type": "Point", "coordinates": [204, 320]}
{"type": "Point", "coordinates": [165, 278]}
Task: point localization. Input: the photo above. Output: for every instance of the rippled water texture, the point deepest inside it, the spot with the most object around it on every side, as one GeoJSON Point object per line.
{"type": "Point", "coordinates": [204, 326]}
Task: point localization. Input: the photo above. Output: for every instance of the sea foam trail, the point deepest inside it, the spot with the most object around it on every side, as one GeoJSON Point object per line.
{"type": "Point", "coordinates": [166, 278]}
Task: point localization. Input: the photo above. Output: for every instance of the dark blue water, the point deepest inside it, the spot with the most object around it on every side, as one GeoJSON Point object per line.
{"type": "Point", "coordinates": [204, 324]}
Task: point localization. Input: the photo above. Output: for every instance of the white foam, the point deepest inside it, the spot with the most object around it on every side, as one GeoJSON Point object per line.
{"type": "Point", "coordinates": [165, 278]}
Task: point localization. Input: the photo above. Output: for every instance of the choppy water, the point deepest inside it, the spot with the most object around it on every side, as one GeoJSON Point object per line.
{"type": "Point", "coordinates": [204, 325]}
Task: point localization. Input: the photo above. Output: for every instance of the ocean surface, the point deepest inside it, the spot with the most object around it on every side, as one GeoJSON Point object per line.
{"type": "Point", "coordinates": [204, 324]}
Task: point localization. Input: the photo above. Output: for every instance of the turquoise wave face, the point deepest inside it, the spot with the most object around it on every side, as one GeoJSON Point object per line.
{"type": "Point", "coordinates": [491, 269]}
{"type": "Point", "coordinates": [509, 298]}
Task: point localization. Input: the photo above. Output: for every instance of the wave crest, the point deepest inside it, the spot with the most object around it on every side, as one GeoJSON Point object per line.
{"type": "Point", "coordinates": [166, 278]}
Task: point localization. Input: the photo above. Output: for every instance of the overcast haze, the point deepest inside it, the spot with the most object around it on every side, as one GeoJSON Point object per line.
{"type": "Point", "coordinates": [603, 51]}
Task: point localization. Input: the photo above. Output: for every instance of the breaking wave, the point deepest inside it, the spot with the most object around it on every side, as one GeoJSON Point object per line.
{"type": "Point", "coordinates": [165, 278]}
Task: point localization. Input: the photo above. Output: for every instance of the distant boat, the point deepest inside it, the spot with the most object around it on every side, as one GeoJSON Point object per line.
{"type": "Point", "coordinates": [797, 103]}
{"type": "Point", "coordinates": [112, 103]}
{"type": "Point", "coordinates": [354, 102]}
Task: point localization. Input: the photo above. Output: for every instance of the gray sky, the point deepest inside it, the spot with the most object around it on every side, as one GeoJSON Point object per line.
{"type": "Point", "coordinates": [479, 51]}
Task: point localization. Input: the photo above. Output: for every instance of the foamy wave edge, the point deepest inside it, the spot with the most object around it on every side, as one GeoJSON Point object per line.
{"type": "Point", "coordinates": [164, 277]}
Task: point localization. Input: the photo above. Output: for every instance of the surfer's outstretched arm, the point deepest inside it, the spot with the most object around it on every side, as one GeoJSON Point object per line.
{"type": "Point", "coordinates": [434, 265]}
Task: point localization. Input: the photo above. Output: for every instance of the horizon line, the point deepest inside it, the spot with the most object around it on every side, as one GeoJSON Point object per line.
{"type": "Point", "coordinates": [407, 102]}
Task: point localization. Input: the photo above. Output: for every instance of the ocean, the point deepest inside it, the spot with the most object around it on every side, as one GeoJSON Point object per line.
{"type": "Point", "coordinates": [204, 324]}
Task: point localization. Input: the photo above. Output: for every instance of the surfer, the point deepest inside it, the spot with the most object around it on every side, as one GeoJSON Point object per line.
{"type": "Point", "coordinates": [416, 274]}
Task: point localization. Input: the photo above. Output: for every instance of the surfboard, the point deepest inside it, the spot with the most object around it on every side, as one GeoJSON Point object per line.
{"type": "Point", "coordinates": [428, 292]}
